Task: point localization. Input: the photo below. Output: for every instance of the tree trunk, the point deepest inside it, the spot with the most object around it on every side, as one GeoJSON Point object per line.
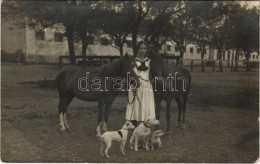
{"type": "Point", "coordinates": [236, 58]}
{"type": "Point", "coordinates": [83, 37]}
{"type": "Point", "coordinates": [220, 66]}
{"type": "Point", "coordinates": [134, 42]}
{"type": "Point", "coordinates": [181, 57]}
{"type": "Point", "coordinates": [220, 61]}
{"type": "Point", "coordinates": [202, 62]}
{"type": "Point", "coordinates": [69, 32]}
{"type": "Point", "coordinates": [247, 59]}
{"type": "Point", "coordinates": [121, 49]}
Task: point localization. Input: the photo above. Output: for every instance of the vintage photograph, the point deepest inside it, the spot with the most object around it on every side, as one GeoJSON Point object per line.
{"type": "Point", "coordinates": [129, 81]}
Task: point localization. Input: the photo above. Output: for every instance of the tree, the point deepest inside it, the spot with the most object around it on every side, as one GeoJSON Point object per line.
{"type": "Point", "coordinates": [181, 28]}
{"type": "Point", "coordinates": [48, 13]}
{"type": "Point", "coordinates": [236, 13]}
{"type": "Point", "coordinates": [248, 32]}
{"type": "Point", "coordinates": [201, 20]}
{"type": "Point", "coordinates": [156, 27]}
{"type": "Point", "coordinates": [119, 28]}
{"type": "Point", "coordinates": [87, 23]}
{"type": "Point", "coordinates": [221, 29]}
{"type": "Point", "coordinates": [136, 11]}
{"type": "Point", "coordinates": [235, 27]}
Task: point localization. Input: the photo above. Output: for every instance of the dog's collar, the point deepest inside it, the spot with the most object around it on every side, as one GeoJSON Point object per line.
{"type": "Point", "coordinates": [146, 125]}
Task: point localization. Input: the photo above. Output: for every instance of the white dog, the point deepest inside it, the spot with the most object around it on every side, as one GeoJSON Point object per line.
{"type": "Point", "coordinates": [155, 138]}
{"type": "Point", "coordinates": [120, 136]}
{"type": "Point", "coordinates": [142, 131]}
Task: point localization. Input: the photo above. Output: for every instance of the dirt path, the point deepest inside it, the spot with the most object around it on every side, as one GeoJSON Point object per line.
{"type": "Point", "coordinates": [221, 123]}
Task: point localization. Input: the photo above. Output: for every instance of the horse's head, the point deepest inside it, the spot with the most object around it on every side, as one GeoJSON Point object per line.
{"type": "Point", "coordinates": [127, 65]}
{"type": "Point", "coordinates": [157, 65]}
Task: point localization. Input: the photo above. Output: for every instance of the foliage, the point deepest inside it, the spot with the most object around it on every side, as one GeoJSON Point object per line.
{"type": "Point", "coordinates": [221, 25]}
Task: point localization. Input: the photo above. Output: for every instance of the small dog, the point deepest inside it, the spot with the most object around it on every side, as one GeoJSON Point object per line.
{"type": "Point", "coordinates": [155, 138]}
{"type": "Point", "coordinates": [120, 136]}
{"type": "Point", "coordinates": [142, 131]}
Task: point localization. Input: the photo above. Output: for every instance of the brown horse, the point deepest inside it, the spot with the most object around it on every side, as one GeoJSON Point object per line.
{"type": "Point", "coordinates": [170, 82]}
{"type": "Point", "coordinates": [101, 84]}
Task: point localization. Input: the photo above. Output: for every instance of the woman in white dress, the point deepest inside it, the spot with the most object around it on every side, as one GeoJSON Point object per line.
{"type": "Point", "coordinates": [141, 101]}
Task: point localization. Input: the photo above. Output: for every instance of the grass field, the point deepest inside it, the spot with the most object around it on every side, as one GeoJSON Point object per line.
{"type": "Point", "coordinates": [222, 121]}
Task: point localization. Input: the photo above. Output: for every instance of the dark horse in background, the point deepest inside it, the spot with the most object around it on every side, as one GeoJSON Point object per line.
{"type": "Point", "coordinates": [75, 81]}
{"type": "Point", "coordinates": [180, 82]}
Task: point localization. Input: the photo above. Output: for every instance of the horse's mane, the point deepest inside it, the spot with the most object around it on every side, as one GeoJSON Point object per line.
{"type": "Point", "coordinates": [110, 67]}
{"type": "Point", "coordinates": [157, 63]}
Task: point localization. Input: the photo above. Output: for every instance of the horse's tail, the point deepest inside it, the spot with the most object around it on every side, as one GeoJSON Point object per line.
{"type": "Point", "coordinates": [187, 75]}
{"type": "Point", "coordinates": [62, 78]}
{"type": "Point", "coordinates": [189, 78]}
{"type": "Point", "coordinates": [59, 76]}
{"type": "Point", "coordinates": [58, 80]}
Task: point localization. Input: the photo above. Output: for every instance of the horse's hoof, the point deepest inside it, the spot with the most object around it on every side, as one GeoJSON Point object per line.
{"type": "Point", "coordinates": [68, 130]}
{"type": "Point", "coordinates": [183, 126]}
{"type": "Point", "coordinates": [177, 124]}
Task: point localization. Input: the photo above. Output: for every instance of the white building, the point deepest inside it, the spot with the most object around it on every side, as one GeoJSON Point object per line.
{"type": "Point", "coordinates": [46, 46]}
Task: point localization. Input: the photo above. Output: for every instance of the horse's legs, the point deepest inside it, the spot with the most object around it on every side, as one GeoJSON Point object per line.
{"type": "Point", "coordinates": [62, 126]}
{"type": "Point", "coordinates": [179, 101]}
{"type": "Point", "coordinates": [100, 117]}
{"type": "Point", "coordinates": [106, 114]}
{"type": "Point", "coordinates": [65, 122]}
{"type": "Point", "coordinates": [157, 109]}
{"type": "Point", "coordinates": [65, 100]}
{"type": "Point", "coordinates": [185, 99]}
{"type": "Point", "coordinates": [168, 113]}
{"type": "Point", "coordinates": [108, 105]}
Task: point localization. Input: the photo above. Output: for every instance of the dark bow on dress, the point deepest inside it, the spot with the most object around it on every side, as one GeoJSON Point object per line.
{"type": "Point", "coordinates": [142, 67]}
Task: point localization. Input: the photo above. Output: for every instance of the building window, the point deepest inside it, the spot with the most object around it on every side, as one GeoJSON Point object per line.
{"type": "Point", "coordinates": [198, 50]}
{"type": "Point", "coordinates": [176, 49]}
{"type": "Point", "coordinates": [253, 56]}
{"type": "Point", "coordinates": [104, 41]}
{"type": "Point", "coordinates": [191, 50]}
{"type": "Point", "coordinates": [224, 54]}
{"type": "Point", "coordinates": [257, 56]}
{"type": "Point", "coordinates": [39, 35]}
{"type": "Point", "coordinates": [58, 37]}
{"type": "Point", "coordinates": [168, 48]}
